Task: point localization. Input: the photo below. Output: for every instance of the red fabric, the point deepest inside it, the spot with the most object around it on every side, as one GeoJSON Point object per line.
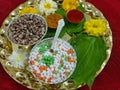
{"type": "Point", "coordinates": [109, 78]}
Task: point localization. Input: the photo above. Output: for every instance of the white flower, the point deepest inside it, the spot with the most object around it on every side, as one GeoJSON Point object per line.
{"type": "Point", "coordinates": [18, 59]}
{"type": "Point", "coordinates": [47, 7]}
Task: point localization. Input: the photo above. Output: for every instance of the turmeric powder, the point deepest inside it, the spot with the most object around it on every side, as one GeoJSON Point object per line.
{"type": "Point", "coordinates": [52, 20]}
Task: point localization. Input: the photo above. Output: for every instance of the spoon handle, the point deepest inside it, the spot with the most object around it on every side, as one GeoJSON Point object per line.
{"type": "Point", "coordinates": [61, 24]}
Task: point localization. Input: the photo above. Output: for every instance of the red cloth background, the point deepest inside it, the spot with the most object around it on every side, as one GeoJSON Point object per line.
{"type": "Point", "coordinates": [109, 78]}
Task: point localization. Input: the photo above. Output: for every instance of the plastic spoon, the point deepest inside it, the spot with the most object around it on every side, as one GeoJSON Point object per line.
{"type": "Point", "coordinates": [61, 24]}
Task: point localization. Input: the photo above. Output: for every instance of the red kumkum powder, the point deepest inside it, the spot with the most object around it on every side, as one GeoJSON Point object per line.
{"type": "Point", "coordinates": [75, 16]}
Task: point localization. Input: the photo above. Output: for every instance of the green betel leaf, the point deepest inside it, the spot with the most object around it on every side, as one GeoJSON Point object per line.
{"type": "Point", "coordinates": [70, 28]}
{"type": "Point", "coordinates": [50, 33]}
{"type": "Point", "coordinates": [61, 12]}
{"type": "Point", "coordinates": [74, 28]}
{"type": "Point", "coordinates": [81, 8]}
{"type": "Point", "coordinates": [91, 53]}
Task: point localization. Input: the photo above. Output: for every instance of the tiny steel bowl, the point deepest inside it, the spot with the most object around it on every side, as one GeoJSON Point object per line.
{"type": "Point", "coordinates": [75, 15]}
{"type": "Point", "coordinates": [29, 44]}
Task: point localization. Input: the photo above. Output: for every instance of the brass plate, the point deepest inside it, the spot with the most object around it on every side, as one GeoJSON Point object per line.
{"type": "Point", "coordinates": [23, 76]}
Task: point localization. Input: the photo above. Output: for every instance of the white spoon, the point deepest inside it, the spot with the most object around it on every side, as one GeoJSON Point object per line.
{"type": "Point", "coordinates": [61, 24]}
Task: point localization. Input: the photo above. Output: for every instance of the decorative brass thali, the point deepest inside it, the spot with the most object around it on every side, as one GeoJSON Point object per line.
{"type": "Point", "coordinates": [23, 76]}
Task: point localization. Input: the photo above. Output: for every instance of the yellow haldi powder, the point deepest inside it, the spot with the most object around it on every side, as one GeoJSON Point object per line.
{"type": "Point", "coordinates": [52, 20]}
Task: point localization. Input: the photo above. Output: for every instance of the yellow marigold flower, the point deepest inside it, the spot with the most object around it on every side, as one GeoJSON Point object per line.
{"type": "Point", "coordinates": [70, 4]}
{"type": "Point", "coordinates": [95, 27]}
{"type": "Point", "coordinates": [28, 10]}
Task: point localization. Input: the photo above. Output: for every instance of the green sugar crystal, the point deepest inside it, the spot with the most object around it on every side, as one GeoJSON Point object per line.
{"type": "Point", "coordinates": [44, 47]}
{"type": "Point", "coordinates": [66, 58]}
{"type": "Point", "coordinates": [38, 60]}
{"type": "Point", "coordinates": [48, 60]}
{"type": "Point", "coordinates": [62, 55]}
